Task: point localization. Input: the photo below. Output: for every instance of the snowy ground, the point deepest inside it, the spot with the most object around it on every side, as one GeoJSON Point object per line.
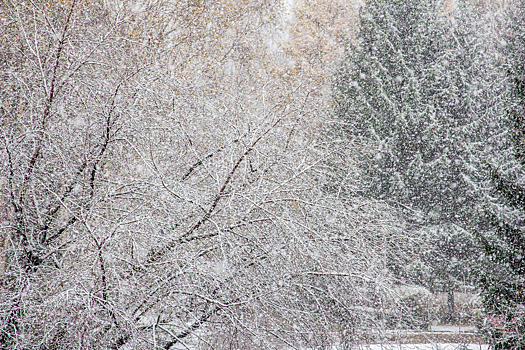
{"type": "Point", "coordinates": [434, 346]}
{"type": "Point", "coordinates": [430, 346]}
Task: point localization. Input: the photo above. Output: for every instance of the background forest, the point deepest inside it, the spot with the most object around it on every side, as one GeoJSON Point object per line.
{"type": "Point", "coordinates": [259, 174]}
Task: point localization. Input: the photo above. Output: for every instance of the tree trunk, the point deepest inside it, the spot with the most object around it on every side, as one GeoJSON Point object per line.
{"type": "Point", "coordinates": [451, 312]}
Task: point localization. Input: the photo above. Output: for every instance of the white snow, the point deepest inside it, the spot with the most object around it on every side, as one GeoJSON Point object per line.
{"type": "Point", "coordinates": [430, 346]}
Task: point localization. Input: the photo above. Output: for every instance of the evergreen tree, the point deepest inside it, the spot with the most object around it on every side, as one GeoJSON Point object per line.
{"type": "Point", "coordinates": [502, 277]}
{"type": "Point", "coordinates": [379, 92]}
{"type": "Point", "coordinates": [414, 89]}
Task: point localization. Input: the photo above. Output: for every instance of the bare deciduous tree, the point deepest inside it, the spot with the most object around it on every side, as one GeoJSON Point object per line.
{"type": "Point", "coordinates": [165, 182]}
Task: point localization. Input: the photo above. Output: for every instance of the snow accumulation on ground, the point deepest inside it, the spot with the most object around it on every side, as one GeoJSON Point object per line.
{"type": "Point", "coordinates": [432, 346]}
{"type": "Point", "coordinates": [429, 346]}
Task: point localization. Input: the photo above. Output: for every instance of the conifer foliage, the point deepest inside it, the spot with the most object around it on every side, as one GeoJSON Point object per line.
{"type": "Point", "coordinates": [413, 90]}
{"type": "Point", "coordinates": [502, 280]}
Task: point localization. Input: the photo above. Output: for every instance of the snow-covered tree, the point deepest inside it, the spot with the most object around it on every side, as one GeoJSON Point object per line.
{"type": "Point", "coordinates": [414, 87]}
{"type": "Point", "coordinates": [501, 276]}
{"type": "Point", "coordinates": [414, 91]}
{"type": "Point", "coordinates": [161, 176]}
